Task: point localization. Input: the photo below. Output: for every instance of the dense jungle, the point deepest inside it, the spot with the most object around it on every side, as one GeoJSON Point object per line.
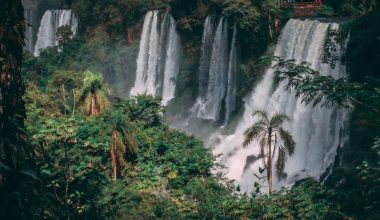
{"type": "Point", "coordinates": [189, 109]}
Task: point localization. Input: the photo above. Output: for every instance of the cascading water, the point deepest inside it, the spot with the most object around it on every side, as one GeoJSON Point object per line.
{"type": "Point", "coordinates": [233, 68]}
{"type": "Point", "coordinates": [30, 32]}
{"type": "Point", "coordinates": [217, 81]}
{"type": "Point", "coordinates": [172, 63]}
{"type": "Point", "coordinates": [51, 21]}
{"type": "Point", "coordinates": [158, 62]}
{"type": "Point", "coordinates": [318, 132]}
{"type": "Point", "coordinates": [204, 63]}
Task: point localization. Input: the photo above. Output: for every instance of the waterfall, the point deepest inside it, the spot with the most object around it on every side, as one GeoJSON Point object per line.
{"type": "Point", "coordinates": [318, 132]}
{"type": "Point", "coordinates": [142, 59]}
{"type": "Point", "coordinates": [154, 39]}
{"type": "Point", "coordinates": [233, 68]}
{"type": "Point", "coordinates": [51, 21]}
{"type": "Point", "coordinates": [172, 67]}
{"type": "Point", "coordinates": [217, 73]}
{"type": "Point", "coordinates": [30, 32]}
{"type": "Point", "coordinates": [158, 62]}
{"type": "Point", "coordinates": [204, 63]}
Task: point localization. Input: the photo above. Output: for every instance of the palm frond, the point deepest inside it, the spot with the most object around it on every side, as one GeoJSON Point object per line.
{"type": "Point", "coordinates": [252, 133]}
{"type": "Point", "coordinates": [263, 115]}
{"type": "Point", "coordinates": [131, 143]}
{"type": "Point", "coordinates": [119, 149]}
{"type": "Point", "coordinates": [283, 140]}
{"type": "Point", "coordinates": [275, 146]}
{"type": "Point", "coordinates": [277, 120]}
{"type": "Point", "coordinates": [262, 123]}
{"type": "Point", "coordinates": [85, 104]}
{"type": "Point", "coordinates": [263, 143]}
{"type": "Point", "coordinates": [120, 122]}
{"type": "Point", "coordinates": [281, 160]}
{"type": "Point", "coordinates": [288, 143]}
{"type": "Point", "coordinates": [102, 100]}
{"type": "Point", "coordinates": [91, 83]}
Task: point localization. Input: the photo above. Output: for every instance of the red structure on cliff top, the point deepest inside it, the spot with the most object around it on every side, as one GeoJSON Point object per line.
{"type": "Point", "coordinates": [303, 8]}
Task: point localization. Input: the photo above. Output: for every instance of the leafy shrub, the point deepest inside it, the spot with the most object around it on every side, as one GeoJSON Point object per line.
{"type": "Point", "coordinates": [325, 11]}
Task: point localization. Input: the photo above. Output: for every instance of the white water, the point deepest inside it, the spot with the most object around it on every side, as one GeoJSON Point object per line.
{"type": "Point", "coordinates": [217, 81]}
{"type": "Point", "coordinates": [158, 62]}
{"type": "Point", "coordinates": [233, 69]}
{"type": "Point", "coordinates": [172, 64]}
{"type": "Point", "coordinates": [30, 32]}
{"type": "Point", "coordinates": [204, 63]}
{"type": "Point", "coordinates": [51, 21]}
{"type": "Point", "coordinates": [316, 131]}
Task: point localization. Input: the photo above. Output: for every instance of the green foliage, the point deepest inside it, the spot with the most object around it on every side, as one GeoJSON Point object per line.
{"type": "Point", "coordinates": [250, 73]}
{"type": "Point", "coordinates": [325, 11]}
{"type": "Point", "coordinates": [143, 109]}
{"type": "Point", "coordinates": [302, 202]}
{"type": "Point", "coordinates": [208, 192]}
{"type": "Point", "coordinates": [255, 21]}
{"type": "Point", "coordinates": [76, 166]}
{"type": "Point", "coordinates": [353, 7]}
{"type": "Point", "coordinates": [111, 13]}
{"type": "Point", "coordinates": [244, 13]}
{"type": "Point", "coordinates": [360, 165]}
{"type": "Point", "coordinates": [333, 39]}
{"type": "Point", "coordinates": [369, 174]}
{"type": "Point", "coordinates": [311, 87]}
{"type": "Point", "coordinates": [166, 174]}
{"type": "Point", "coordinates": [362, 55]}
{"type": "Point", "coordinates": [190, 15]}
{"type": "Point", "coordinates": [93, 94]}
{"type": "Point", "coordinates": [64, 34]}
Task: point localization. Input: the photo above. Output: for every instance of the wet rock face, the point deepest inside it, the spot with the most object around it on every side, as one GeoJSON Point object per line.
{"type": "Point", "coordinates": [31, 4]}
{"type": "Point", "coordinates": [42, 5]}
{"type": "Point", "coordinates": [249, 161]}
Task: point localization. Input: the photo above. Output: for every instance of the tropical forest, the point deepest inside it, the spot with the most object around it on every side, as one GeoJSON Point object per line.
{"type": "Point", "coordinates": [190, 109]}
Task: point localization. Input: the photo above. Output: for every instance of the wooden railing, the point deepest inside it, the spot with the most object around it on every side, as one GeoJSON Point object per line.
{"type": "Point", "coordinates": [304, 9]}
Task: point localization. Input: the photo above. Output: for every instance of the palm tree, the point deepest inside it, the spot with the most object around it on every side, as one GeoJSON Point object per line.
{"type": "Point", "coordinates": [273, 140]}
{"type": "Point", "coordinates": [92, 96]}
{"type": "Point", "coordinates": [123, 142]}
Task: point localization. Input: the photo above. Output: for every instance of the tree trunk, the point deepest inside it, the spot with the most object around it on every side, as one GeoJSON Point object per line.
{"type": "Point", "coordinates": [270, 26]}
{"type": "Point", "coordinates": [63, 91]}
{"type": "Point", "coordinates": [130, 33]}
{"type": "Point", "coordinates": [269, 165]}
{"type": "Point", "coordinates": [12, 109]}
{"type": "Point", "coordinates": [13, 203]}
{"type": "Point", "coordinates": [94, 107]}
{"type": "Point", "coordinates": [74, 101]}
{"type": "Point", "coordinates": [113, 154]}
{"type": "Point", "coordinates": [67, 176]}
